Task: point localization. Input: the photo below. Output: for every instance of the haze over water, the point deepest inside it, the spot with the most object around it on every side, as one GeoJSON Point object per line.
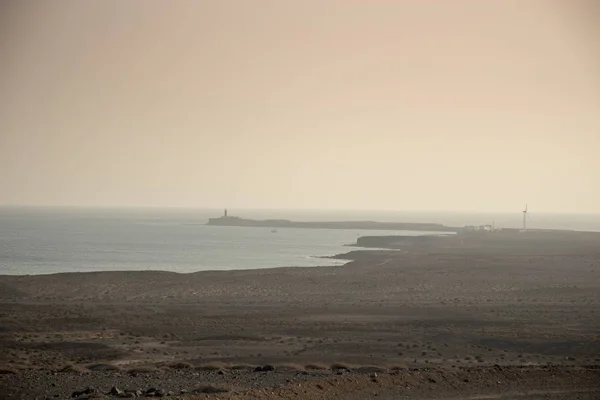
{"type": "Point", "coordinates": [53, 240]}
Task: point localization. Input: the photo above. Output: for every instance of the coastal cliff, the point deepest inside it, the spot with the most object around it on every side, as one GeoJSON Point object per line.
{"type": "Point", "coordinates": [508, 241]}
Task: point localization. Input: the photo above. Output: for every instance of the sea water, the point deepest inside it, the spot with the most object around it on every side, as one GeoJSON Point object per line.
{"type": "Point", "coordinates": [54, 240]}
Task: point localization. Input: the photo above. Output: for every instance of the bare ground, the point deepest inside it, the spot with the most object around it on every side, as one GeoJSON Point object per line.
{"type": "Point", "coordinates": [528, 321]}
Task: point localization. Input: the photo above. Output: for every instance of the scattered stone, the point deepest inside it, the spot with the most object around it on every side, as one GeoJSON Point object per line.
{"type": "Point", "coordinates": [369, 369]}
{"type": "Point", "coordinates": [84, 392]}
{"type": "Point", "coordinates": [264, 368]}
{"type": "Point", "coordinates": [211, 389]}
{"type": "Point", "coordinates": [115, 391]}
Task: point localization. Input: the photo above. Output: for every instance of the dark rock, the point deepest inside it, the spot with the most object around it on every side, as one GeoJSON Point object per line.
{"type": "Point", "coordinates": [83, 392]}
{"type": "Point", "coordinates": [115, 391]}
{"type": "Point", "coordinates": [221, 372]}
{"type": "Point", "coordinates": [160, 393]}
{"type": "Point", "coordinates": [264, 368]}
{"type": "Point", "coordinates": [129, 394]}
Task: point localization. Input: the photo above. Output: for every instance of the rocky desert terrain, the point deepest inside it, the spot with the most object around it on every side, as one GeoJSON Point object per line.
{"type": "Point", "coordinates": [425, 322]}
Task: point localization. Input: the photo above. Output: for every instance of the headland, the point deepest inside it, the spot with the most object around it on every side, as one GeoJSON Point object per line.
{"type": "Point", "coordinates": [226, 220]}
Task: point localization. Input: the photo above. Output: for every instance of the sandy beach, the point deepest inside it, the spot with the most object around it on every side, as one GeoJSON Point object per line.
{"type": "Point", "coordinates": [422, 323]}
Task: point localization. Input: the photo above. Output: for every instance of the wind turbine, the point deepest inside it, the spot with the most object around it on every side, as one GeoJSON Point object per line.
{"type": "Point", "coordinates": [525, 216]}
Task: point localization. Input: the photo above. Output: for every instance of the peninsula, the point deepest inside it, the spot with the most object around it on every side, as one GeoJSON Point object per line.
{"type": "Point", "coordinates": [227, 220]}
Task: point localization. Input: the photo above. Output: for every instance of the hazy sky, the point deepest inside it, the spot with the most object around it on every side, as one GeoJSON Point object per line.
{"type": "Point", "coordinates": [355, 104]}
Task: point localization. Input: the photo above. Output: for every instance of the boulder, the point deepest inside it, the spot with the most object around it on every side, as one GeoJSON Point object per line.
{"type": "Point", "coordinates": [84, 392]}
{"type": "Point", "coordinates": [115, 391]}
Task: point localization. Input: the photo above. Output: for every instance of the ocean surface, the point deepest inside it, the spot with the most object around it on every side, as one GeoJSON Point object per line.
{"type": "Point", "coordinates": [54, 240]}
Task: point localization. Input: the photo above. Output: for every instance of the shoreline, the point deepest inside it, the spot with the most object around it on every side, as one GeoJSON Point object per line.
{"type": "Point", "coordinates": [338, 256]}
{"type": "Point", "coordinates": [373, 248]}
{"type": "Point", "coordinates": [349, 257]}
{"type": "Point", "coordinates": [207, 271]}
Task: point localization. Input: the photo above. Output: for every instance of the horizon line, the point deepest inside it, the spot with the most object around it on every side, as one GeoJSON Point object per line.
{"type": "Point", "coordinates": [306, 209]}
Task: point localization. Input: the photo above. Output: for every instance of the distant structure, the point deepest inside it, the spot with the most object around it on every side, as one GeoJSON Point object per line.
{"type": "Point", "coordinates": [478, 228]}
{"type": "Point", "coordinates": [525, 216]}
{"type": "Point", "coordinates": [225, 213]}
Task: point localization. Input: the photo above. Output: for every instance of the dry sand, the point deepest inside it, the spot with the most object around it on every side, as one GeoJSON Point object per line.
{"type": "Point", "coordinates": [431, 323]}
